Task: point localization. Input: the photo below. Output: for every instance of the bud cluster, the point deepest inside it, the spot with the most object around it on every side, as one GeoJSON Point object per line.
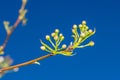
{"type": "Point", "coordinates": [80, 34]}
{"type": "Point", "coordinates": [85, 33]}
{"type": "Point", "coordinates": [58, 38]}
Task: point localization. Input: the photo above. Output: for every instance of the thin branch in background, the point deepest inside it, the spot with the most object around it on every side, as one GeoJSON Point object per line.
{"type": "Point", "coordinates": [10, 29]}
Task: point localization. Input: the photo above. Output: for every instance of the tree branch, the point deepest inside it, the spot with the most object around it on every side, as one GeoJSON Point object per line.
{"type": "Point", "coordinates": [26, 63]}
{"type": "Point", "coordinates": [69, 48]}
{"type": "Point", "coordinates": [19, 19]}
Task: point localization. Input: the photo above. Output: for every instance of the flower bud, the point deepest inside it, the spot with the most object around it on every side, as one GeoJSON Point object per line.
{"type": "Point", "coordinates": [74, 26]}
{"type": "Point", "coordinates": [80, 26]}
{"type": "Point", "coordinates": [47, 37]}
{"type": "Point", "coordinates": [53, 34]}
{"type": "Point", "coordinates": [42, 48]}
{"type": "Point", "coordinates": [91, 43]}
{"type": "Point", "coordinates": [57, 30]}
{"type": "Point", "coordinates": [83, 22]}
{"type": "Point", "coordinates": [61, 34]}
{"type": "Point", "coordinates": [56, 37]}
{"type": "Point", "coordinates": [62, 38]}
{"type": "Point", "coordinates": [64, 46]}
{"type": "Point", "coordinates": [73, 30]}
{"type": "Point", "coordinates": [90, 31]}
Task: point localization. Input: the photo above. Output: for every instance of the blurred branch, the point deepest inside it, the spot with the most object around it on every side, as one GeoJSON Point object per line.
{"type": "Point", "coordinates": [10, 29]}
{"type": "Point", "coordinates": [25, 63]}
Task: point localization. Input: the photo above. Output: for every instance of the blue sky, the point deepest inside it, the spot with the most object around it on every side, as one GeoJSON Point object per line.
{"type": "Point", "coordinates": [101, 62]}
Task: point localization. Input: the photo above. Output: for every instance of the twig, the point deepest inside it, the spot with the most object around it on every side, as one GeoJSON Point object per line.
{"type": "Point", "coordinates": [25, 63]}
{"type": "Point", "coordinates": [8, 35]}
{"type": "Point", "coordinates": [32, 61]}
{"type": "Point", "coordinates": [14, 26]}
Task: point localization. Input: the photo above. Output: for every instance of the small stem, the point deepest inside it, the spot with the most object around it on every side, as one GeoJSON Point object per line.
{"type": "Point", "coordinates": [26, 63]}
{"type": "Point", "coordinates": [52, 43]}
{"type": "Point", "coordinates": [12, 30]}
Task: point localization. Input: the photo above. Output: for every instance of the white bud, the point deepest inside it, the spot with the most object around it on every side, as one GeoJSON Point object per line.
{"type": "Point", "coordinates": [53, 34]}
{"type": "Point", "coordinates": [80, 26]}
{"type": "Point", "coordinates": [83, 22]}
{"type": "Point", "coordinates": [47, 37]}
{"type": "Point", "coordinates": [90, 31]}
{"type": "Point", "coordinates": [91, 43]}
{"type": "Point", "coordinates": [73, 30]}
{"type": "Point", "coordinates": [56, 37]}
{"type": "Point", "coordinates": [61, 34]}
{"type": "Point", "coordinates": [74, 26]}
{"type": "Point", "coordinates": [57, 30]}
{"type": "Point", "coordinates": [42, 48]}
{"type": "Point", "coordinates": [64, 46]}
